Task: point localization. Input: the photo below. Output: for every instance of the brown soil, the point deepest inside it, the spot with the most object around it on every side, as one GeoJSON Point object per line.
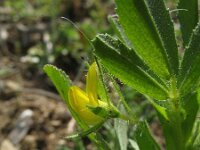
{"type": "Point", "coordinates": [48, 123]}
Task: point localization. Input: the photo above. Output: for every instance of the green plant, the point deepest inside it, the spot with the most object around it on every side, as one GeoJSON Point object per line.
{"type": "Point", "coordinates": [145, 57]}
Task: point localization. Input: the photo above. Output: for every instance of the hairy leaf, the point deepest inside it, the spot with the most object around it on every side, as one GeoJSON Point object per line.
{"type": "Point", "coordinates": [62, 83]}
{"type": "Point", "coordinates": [119, 30]}
{"type": "Point", "coordinates": [188, 17]}
{"type": "Point", "coordinates": [59, 79]}
{"type": "Point", "coordinates": [141, 31]}
{"type": "Point", "coordinates": [128, 72]}
{"type": "Point", "coordinates": [166, 32]}
{"type": "Point", "coordinates": [190, 68]}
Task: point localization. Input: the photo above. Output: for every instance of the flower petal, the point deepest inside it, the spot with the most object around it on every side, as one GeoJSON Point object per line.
{"type": "Point", "coordinates": [77, 98]}
{"type": "Point", "coordinates": [91, 84]}
{"type": "Point", "coordinates": [79, 102]}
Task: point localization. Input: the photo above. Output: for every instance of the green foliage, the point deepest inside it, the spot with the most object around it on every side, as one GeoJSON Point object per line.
{"type": "Point", "coordinates": [62, 84]}
{"type": "Point", "coordinates": [189, 74]}
{"type": "Point", "coordinates": [153, 56]}
{"type": "Point", "coordinates": [121, 129]}
{"type": "Point", "coordinates": [145, 57]}
{"type": "Point", "coordinates": [188, 17]}
{"type": "Point", "coordinates": [141, 31]}
{"type": "Point", "coordinates": [165, 30]}
{"type": "Point", "coordinates": [144, 138]}
{"type": "Point", "coordinates": [128, 71]}
{"type": "Point", "coordinates": [59, 79]}
{"type": "Point", "coordinates": [191, 107]}
{"type": "Point", "coordinates": [134, 145]}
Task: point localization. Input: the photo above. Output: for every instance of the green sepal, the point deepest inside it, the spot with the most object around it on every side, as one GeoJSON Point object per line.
{"type": "Point", "coordinates": [105, 112]}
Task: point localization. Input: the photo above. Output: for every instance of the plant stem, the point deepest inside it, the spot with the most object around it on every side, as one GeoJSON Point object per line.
{"type": "Point", "coordinates": [176, 118]}
{"type": "Point", "coordinates": [176, 123]}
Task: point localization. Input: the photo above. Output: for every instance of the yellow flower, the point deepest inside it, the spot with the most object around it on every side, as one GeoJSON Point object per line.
{"type": "Point", "coordinates": [79, 100]}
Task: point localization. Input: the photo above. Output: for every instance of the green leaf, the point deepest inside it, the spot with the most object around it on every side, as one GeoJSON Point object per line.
{"type": "Point", "coordinates": [59, 79]}
{"type": "Point", "coordinates": [160, 109]}
{"type": "Point", "coordinates": [166, 32]}
{"type": "Point", "coordinates": [189, 73]}
{"type": "Point", "coordinates": [119, 30]}
{"type": "Point", "coordinates": [188, 18]}
{"type": "Point", "coordinates": [191, 107]}
{"type": "Point", "coordinates": [101, 142]}
{"type": "Point", "coordinates": [169, 133]}
{"type": "Point", "coordinates": [194, 143]}
{"type": "Point", "coordinates": [134, 145]}
{"type": "Point", "coordinates": [128, 72]}
{"type": "Point", "coordinates": [144, 138]}
{"type": "Point", "coordinates": [102, 88]}
{"type": "Point", "coordinates": [62, 83]}
{"type": "Point", "coordinates": [178, 128]}
{"type": "Point", "coordinates": [101, 91]}
{"type": "Point", "coordinates": [141, 31]}
{"type": "Point", "coordinates": [121, 128]}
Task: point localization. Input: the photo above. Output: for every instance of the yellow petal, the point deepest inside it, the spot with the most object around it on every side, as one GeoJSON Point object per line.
{"type": "Point", "coordinates": [91, 84]}
{"type": "Point", "coordinates": [78, 98]}
{"type": "Point", "coordinates": [79, 102]}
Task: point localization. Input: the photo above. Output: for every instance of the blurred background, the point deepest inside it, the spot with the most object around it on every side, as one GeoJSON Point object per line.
{"type": "Point", "coordinates": [32, 34]}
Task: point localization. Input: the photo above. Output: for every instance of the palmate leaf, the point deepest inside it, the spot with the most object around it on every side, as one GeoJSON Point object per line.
{"type": "Point", "coordinates": [118, 64]}
{"type": "Point", "coordinates": [141, 30]}
{"type": "Point", "coordinates": [188, 17]}
{"type": "Point", "coordinates": [190, 68]}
